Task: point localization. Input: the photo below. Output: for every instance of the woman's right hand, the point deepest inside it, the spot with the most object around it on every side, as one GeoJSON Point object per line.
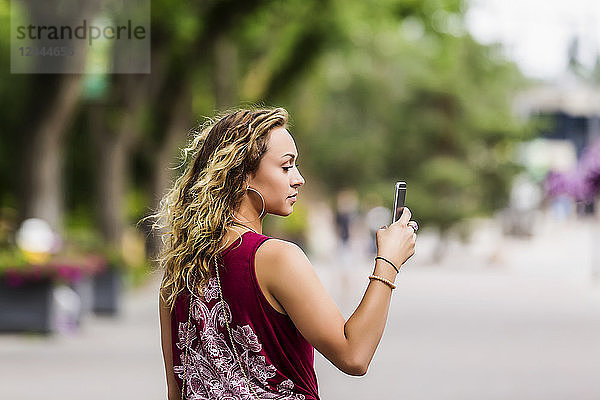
{"type": "Point", "coordinates": [397, 242]}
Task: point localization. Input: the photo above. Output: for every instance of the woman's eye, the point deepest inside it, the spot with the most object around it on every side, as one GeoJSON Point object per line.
{"type": "Point", "coordinates": [291, 166]}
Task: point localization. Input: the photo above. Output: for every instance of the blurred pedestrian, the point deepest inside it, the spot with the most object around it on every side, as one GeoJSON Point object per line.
{"type": "Point", "coordinates": [345, 213]}
{"type": "Point", "coordinates": [242, 312]}
{"type": "Point", "coordinates": [376, 217]}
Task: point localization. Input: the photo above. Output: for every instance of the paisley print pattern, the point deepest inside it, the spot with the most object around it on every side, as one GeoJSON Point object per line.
{"type": "Point", "coordinates": [212, 370]}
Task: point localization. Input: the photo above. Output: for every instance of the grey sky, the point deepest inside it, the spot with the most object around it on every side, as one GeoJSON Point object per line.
{"type": "Point", "coordinates": [536, 33]}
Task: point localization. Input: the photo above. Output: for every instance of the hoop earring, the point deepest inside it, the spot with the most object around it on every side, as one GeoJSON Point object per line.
{"type": "Point", "coordinates": [261, 212]}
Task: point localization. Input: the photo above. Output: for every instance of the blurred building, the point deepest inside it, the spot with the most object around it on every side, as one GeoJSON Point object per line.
{"type": "Point", "coordinates": [570, 108]}
{"type": "Point", "coordinates": [571, 105]}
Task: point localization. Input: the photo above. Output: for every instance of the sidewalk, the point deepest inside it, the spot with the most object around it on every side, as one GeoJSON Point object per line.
{"type": "Point", "coordinates": [500, 318]}
{"type": "Point", "coordinates": [516, 321]}
{"type": "Point", "coordinates": [465, 334]}
{"type": "Point", "coordinates": [109, 358]}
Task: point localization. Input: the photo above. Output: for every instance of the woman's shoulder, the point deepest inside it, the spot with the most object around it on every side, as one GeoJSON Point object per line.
{"type": "Point", "coordinates": [267, 248]}
{"type": "Point", "coordinates": [275, 259]}
{"type": "Point", "coordinates": [276, 249]}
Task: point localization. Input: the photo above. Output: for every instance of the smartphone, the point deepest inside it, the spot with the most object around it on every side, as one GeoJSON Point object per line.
{"type": "Point", "coordinates": [399, 198]}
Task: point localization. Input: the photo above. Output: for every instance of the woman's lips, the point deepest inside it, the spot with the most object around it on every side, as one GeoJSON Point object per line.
{"type": "Point", "coordinates": [293, 198]}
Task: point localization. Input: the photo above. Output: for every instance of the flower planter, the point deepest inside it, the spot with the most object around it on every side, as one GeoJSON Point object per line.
{"type": "Point", "coordinates": [26, 307]}
{"type": "Point", "coordinates": [107, 287]}
{"type": "Point", "coordinates": [32, 296]}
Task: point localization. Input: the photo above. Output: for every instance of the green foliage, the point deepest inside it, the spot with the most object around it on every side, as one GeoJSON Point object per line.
{"type": "Point", "coordinates": [136, 204]}
{"type": "Point", "coordinates": [13, 90]}
{"type": "Point", "coordinates": [378, 91]}
{"type": "Point", "coordinates": [411, 96]}
{"type": "Point", "coordinates": [294, 224]}
{"type": "Point", "coordinates": [293, 227]}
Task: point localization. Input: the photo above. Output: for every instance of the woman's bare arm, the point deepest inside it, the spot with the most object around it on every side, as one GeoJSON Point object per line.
{"type": "Point", "coordinates": [291, 280]}
{"type": "Point", "coordinates": [173, 390]}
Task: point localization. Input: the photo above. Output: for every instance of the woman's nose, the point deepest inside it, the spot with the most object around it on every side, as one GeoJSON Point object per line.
{"type": "Point", "coordinates": [298, 179]}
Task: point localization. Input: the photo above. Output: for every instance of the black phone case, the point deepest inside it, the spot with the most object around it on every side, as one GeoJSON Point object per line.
{"type": "Point", "coordinates": [399, 199]}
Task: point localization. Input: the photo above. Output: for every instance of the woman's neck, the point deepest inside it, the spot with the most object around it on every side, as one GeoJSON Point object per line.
{"type": "Point", "coordinates": [254, 227]}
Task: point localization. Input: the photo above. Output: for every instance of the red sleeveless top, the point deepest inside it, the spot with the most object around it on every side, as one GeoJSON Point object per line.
{"type": "Point", "coordinates": [276, 359]}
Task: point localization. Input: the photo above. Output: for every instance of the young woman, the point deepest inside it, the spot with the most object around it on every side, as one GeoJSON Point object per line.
{"type": "Point", "coordinates": [241, 313]}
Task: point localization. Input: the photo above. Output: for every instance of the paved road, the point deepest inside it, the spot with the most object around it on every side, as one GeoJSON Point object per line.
{"type": "Point", "coordinates": [481, 335]}
{"type": "Point", "coordinates": [501, 318]}
{"type": "Point", "coordinates": [519, 320]}
{"type": "Point", "coordinates": [108, 359]}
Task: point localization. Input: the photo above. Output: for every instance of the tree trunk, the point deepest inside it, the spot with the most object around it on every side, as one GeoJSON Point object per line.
{"type": "Point", "coordinates": [225, 75]}
{"type": "Point", "coordinates": [42, 190]}
{"type": "Point", "coordinates": [162, 175]}
{"type": "Point", "coordinates": [52, 104]}
{"type": "Point", "coordinates": [113, 149]}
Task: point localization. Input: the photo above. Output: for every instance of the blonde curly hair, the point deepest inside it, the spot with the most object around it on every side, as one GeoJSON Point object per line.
{"type": "Point", "coordinates": [193, 215]}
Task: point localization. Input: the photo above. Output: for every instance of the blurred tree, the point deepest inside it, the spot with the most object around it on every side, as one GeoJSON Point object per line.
{"type": "Point", "coordinates": [53, 101]}
{"type": "Point", "coordinates": [201, 55]}
{"type": "Point", "coordinates": [13, 90]}
{"type": "Point", "coordinates": [114, 127]}
{"type": "Point", "coordinates": [380, 91]}
{"type": "Point", "coordinates": [223, 29]}
{"type": "Point", "coordinates": [411, 96]}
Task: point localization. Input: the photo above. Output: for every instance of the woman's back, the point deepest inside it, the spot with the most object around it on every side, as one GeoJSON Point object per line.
{"type": "Point", "coordinates": [275, 357]}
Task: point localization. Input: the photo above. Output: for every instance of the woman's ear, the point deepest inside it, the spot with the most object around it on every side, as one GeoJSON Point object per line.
{"type": "Point", "coordinates": [249, 179]}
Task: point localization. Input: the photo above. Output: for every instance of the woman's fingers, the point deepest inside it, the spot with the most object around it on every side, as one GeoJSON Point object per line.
{"type": "Point", "coordinates": [405, 217]}
{"type": "Point", "coordinates": [414, 225]}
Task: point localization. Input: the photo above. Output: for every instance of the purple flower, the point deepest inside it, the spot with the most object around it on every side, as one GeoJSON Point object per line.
{"type": "Point", "coordinates": [582, 183]}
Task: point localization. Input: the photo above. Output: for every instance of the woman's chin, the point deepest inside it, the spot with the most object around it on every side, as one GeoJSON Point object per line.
{"type": "Point", "coordinates": [283, 213]}
{"type": "Point", "coordinates": [287, 211]}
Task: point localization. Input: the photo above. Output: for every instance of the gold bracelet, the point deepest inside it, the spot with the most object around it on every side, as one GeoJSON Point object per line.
{"type": "Point", "coordinates": [379, 278]}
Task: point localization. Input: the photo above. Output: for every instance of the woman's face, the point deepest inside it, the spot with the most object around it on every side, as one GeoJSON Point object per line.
{"type": "Point", "coordinates": [277, 177]}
